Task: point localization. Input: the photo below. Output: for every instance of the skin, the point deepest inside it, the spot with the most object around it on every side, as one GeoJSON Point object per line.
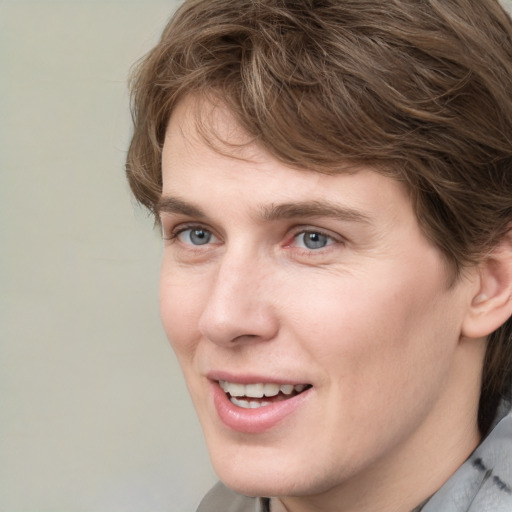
{"type": "Point", "coordinates": [369, 318]}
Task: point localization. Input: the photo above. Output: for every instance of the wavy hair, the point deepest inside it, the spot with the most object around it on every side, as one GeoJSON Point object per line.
{"type": "Point", "coordinates": [418, 90]}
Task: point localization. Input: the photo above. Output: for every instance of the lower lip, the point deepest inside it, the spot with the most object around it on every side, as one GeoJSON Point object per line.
{"type": "Point", "coordinates": [254, 421]}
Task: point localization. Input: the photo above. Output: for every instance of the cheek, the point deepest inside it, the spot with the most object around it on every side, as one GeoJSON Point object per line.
{"type": "Point", "coordinates": [180, 309]}
{"type": "Point", "coordinates": [384, 353]}
{"type": "Point", "coordinates": [378, 330]}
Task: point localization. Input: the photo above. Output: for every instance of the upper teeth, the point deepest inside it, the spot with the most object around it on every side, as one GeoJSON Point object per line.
{"type": "Point", "coordinates": [259, 390]}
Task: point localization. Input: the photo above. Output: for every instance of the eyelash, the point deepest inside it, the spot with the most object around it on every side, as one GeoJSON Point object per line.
{"type": "Point", "coordinates": [177, 231]}
{"type": "Point", "coordinates": [301, 230]}
{"type": "Point", "coordinates": [330, 239]}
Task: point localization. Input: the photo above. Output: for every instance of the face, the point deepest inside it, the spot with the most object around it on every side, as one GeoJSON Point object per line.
{"type": "Point", "coordinates": [313, 321]}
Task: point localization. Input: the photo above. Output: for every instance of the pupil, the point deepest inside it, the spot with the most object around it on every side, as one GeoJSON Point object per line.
{"type": "Point", "coordinates": [199, 236]}
{"type": "Point", "coordinates": [315, 240]}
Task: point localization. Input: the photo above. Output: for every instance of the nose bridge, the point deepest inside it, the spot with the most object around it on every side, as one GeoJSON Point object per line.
{"type": "Point", "coordinates": [239, 305]}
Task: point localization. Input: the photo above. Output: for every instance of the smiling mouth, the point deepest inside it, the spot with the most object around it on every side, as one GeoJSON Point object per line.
{"type": "Point", "coordinates": [253, 396]}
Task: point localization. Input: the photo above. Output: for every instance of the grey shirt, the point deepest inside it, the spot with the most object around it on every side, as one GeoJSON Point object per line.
{"type": "Point", "coordinates": [482, 484]}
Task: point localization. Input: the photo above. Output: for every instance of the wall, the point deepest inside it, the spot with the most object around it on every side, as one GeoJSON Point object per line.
{"type": "Point", "coordinates": [93, 412]}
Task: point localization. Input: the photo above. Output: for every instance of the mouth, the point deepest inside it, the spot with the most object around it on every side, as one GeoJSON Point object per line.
{"type": "Point", "coordinates": [254, 396]}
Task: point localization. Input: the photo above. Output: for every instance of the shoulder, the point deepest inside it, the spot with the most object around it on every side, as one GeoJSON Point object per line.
{"type": "Point", "coordinates": [220, 498]}
{"type": "Point", "coordinates": [484, 482]}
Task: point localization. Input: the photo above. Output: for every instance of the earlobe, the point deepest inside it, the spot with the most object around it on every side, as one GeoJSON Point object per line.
{"type": "Point", "coordinates": [491, 305]}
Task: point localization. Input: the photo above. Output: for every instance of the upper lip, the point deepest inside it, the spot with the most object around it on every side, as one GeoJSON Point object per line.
{"type": "Point", "coordinates": [251, 378]}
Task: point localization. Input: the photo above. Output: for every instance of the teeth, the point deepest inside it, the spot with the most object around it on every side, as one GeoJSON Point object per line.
{"type": "Point", "coordinates": [232, 388]}
{"type": "Point", "coordinates": [259, 390]}
{"type": "Point", "coordinates": [287, 389]}
{"type": "Point", "coordinates": [254, 390]}
{"type": "Point", "coordinates": [271, 389]}
{"type": "Point", "coordinates": [248, 404]}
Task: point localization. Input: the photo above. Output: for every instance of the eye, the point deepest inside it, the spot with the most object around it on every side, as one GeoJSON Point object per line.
{"type": "Point", "coordinates": [313, 240]}
{"type": "Point", "coordinates": [195, 236]}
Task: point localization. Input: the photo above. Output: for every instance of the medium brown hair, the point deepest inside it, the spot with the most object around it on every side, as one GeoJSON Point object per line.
{"type": "Point", "coordinates": [418, 90]}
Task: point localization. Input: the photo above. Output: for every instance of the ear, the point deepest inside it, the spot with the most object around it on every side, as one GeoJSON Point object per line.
{"type": "Point", "coordinates": [491, 304]}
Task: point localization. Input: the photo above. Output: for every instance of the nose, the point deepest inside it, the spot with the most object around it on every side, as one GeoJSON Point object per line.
{"type": "Point", "coordinates": [240, 306]}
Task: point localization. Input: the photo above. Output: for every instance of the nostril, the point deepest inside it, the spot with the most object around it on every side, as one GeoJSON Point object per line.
{"type": "Point", "coordinates": [246, 337]}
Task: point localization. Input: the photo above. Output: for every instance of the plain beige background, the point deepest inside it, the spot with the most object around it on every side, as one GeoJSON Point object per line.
{"type": "Point", "coordinates": [94, 415]}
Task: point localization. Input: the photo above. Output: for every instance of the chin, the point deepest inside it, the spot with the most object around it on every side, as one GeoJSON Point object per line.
{"type": "Point", "coordinates": [271, 477]}
{"type": "Point", "coordinates": [255, 486]}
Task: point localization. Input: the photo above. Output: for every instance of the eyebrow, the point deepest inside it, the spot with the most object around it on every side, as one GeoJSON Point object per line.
{"type": "Point", "coordinates": [168, 204]}
{"type": "Point", "coordinates": [314, 209]}
{"type": "Point", "coordinates": [273, 212]}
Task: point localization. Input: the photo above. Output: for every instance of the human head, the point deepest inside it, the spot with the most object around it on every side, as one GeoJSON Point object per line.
{"type": "Point", "coordinates": [420, 91]}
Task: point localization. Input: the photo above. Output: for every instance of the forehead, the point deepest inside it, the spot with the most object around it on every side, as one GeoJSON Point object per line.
{"type": "Point", "coordinates": [208, 158]}
{"type": "Point", "coordinates": [203, 130]}
{"type": "Point", "coordinates": [207, 121]}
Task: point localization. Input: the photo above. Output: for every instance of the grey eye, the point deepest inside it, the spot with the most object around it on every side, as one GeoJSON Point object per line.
{"type": "Point", "coordinates": [313, 240]}
{"type": "Point", "coordinates": [196, 236]}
